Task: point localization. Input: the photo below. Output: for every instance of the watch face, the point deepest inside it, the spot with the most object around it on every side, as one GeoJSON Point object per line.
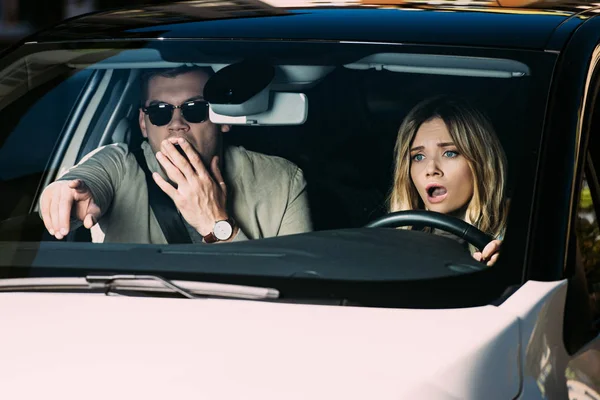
{"type": "Point", "coordinates": [223, 230]}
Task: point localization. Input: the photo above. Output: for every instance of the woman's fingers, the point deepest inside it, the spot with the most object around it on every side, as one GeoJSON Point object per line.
{"type": "Point", "coordinates": [489, 254]}
{"type": "Point", "coordinates": [493, 259]}
{"type": "Point", "coordinates": [490, 249]}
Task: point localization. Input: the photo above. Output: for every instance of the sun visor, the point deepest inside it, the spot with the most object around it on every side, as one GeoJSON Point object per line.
{"type": "Point", "coordinates": [443, 65]}
{"type": "Point", "coordinates": [240, 89]}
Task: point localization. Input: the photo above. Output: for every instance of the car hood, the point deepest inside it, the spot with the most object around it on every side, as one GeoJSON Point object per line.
{"type": "Point", "coordinates": [95, 346]}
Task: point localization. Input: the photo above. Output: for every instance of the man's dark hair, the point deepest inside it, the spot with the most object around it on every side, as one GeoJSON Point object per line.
{"type": "Point", "coordinates": [167, 73]}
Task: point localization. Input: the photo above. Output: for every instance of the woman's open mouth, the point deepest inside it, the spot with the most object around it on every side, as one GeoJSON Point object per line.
{"type": "Point", "coordinates": [436, 193]}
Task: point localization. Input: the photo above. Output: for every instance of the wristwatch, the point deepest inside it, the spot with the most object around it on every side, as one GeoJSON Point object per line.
{"type": "Point", "coordinates": [221, 231]}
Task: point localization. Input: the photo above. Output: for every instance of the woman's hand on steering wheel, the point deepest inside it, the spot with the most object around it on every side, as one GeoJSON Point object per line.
{"type": "Point", "coordinates": [488, 246]}
{"type": "Point", "coordinates": [489, 253]}
{"type": "Point", "coordinates": [435, 220]}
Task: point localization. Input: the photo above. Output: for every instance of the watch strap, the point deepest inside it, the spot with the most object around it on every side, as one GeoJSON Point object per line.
{"type": "Point", "coordinates": [210, 238]}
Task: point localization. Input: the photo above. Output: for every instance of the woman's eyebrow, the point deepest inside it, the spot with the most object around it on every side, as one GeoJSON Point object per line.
{"type": "Point", "coordinates": [444, 144]}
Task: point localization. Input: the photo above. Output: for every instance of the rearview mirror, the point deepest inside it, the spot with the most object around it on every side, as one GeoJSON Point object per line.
{"type": "Point", "coordinates": [240, 89]}
{"type": "Point", "coordinates": [284, 109]}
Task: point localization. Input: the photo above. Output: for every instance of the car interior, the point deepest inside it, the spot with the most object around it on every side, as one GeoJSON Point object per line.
{"type": "Point", "coordinates": [344, 146]}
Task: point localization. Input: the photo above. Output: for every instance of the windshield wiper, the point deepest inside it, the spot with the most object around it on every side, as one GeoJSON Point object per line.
{"type": "Point", "coordinates": [139, 283]}
{"type": "Point", "coordinates": [110, 282]}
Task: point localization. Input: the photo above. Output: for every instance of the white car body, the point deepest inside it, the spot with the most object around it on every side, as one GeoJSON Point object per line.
{"type": "Point", "coordinates": [96, 347]}
{"type": "Point", "coordinates": [338, 326]}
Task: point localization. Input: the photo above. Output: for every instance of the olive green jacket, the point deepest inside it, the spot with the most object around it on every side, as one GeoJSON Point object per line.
{"type": "Point", "coordinates": [266, 194]}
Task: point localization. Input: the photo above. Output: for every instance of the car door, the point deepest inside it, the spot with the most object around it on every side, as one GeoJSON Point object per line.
{"type": "Point", "coordinates": [582, 316]}
{"type": "Point", "coordinates": [561, 245]}
{"type": "Point", "coordinates": [583, 369]}
{"type": "Point", "coordinates": [581, 331]}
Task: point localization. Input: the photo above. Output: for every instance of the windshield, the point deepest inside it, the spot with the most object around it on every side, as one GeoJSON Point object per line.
{"type": "Point", "coordinates": [267, 159]}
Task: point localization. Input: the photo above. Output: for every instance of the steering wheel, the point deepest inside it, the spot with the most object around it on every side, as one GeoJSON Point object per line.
{"type": "Point", "coordinates": [435, 220]}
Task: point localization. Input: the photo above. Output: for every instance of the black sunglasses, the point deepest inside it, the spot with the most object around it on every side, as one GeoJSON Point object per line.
{"type": "Point", "coordinates": [160, 114]}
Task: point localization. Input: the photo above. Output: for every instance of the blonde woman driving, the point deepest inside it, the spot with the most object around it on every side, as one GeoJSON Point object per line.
{"type": "Point", "coordinates": [449, 160]}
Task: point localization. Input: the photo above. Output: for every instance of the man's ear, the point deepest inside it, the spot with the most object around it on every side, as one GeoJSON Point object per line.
{"type": "Point", "coordinates": [225, 128]}
{"type": "Point", "coordinates": [142, 121]}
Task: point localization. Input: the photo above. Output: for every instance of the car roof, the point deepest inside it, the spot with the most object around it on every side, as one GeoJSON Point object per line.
{"type": "Point", "coordinates": [389, 21]}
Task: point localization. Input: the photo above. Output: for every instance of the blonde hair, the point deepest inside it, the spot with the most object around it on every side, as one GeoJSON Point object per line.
{"type": "Point", "coordinates": [475, 140]}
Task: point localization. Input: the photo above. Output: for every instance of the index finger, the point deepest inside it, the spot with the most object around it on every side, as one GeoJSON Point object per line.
{"type": "Point", "coordinates": [64, 212]}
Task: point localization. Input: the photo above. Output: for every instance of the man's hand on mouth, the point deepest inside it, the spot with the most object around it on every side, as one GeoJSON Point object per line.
{"type": "Point", "coordinates": [201, 194]}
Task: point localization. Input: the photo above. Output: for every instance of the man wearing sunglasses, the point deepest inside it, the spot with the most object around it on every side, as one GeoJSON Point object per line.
{"type": "Point", "coordinates": [219, 193]}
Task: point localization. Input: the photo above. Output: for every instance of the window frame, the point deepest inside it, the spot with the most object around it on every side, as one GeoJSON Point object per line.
{"type": "Point", "coordinates": [580, 326]}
